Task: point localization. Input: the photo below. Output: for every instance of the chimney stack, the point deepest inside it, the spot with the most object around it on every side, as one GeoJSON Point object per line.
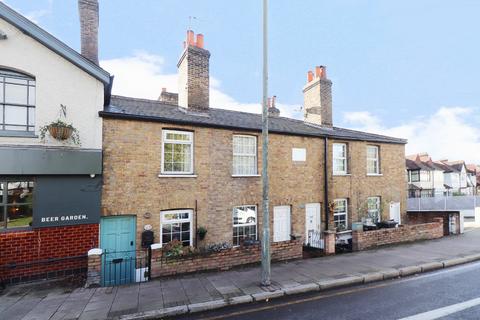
{"type": "Point", "coordinates": [272, 109]}
{"type": "Point", "coordinates": [193, 74]}
{"type": "Point", "coordinates": [317, 95]}
{"type": "Point", "coordinates": [88, 10]}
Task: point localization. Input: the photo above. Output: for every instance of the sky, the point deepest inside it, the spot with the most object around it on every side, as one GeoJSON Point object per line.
{"type": "Point", "coordinates": [408, 68]}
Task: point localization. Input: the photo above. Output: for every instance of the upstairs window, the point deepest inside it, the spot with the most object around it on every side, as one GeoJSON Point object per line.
{"type": "Point", "coordinates": [340, 158]}
{"type": "Point", "coordinates": [373, 163]}
{"type": "Point", "coordinates": [414, 176]}
{"type": "Point", "coordinates": [17, 102]}
{"type": "Point", "coordinates": [244, 155]}
{"type": "Point", "coordinates": [177, 152]}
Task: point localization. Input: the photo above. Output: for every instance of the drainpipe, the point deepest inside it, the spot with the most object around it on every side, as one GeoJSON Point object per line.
{"type": "Point", "coordinates": [325, 187]}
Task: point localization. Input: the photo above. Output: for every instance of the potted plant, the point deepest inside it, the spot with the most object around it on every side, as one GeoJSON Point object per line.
{"type": "Point", "coordinates": [61, 130]}
{"type": "Point", "coordinates": [202, 232]}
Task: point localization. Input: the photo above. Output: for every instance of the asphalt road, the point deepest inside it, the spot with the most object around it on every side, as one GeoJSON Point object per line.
{"type": "Point", "coordinates": [447, 294]}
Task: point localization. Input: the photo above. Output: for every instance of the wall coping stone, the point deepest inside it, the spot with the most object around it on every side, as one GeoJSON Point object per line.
{"type": "Point", "coordinates": [95, 252]}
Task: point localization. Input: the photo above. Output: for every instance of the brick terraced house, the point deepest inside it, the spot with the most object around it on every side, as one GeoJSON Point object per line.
{"type": "Point", "coordinates": [175, 166]}
{"type": "Point", "coordinates": [50, 187]}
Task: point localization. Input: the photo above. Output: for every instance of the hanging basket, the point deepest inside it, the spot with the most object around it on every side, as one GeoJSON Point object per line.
{"type": "Point", "coordinates": [60, 132]}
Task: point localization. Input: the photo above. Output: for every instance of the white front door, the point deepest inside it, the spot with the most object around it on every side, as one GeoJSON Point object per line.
{"type": "Point", "coordinates": [281, 223]}
{"type": "Point", "coordinates": [312, 219]}
{"type": "Point", "coordinates": [395, 212]}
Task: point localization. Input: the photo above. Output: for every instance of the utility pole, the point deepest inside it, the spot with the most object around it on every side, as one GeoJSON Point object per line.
{"type": "Point", "coordinates": [265, 209]}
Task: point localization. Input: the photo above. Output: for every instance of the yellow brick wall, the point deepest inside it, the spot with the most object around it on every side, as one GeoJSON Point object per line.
{"type": "Point", "coordinates": [132, 163]}
{"type": "Point", "coordinates": [357, 186]}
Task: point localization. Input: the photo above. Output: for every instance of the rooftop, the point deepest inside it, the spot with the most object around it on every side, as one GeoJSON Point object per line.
{"type": "Point", "coordinates": [154, 110]}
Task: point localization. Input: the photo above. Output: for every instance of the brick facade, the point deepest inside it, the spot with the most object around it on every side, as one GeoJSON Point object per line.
{"type": "Point", "coordinates": [132, 164]}
{"type": "Point", "coordinates": [357, 186]}
{"type": "Point", "coordinates": [223, 260]}
{"type": "Point", "coordinates": [89, 20]}
{"type": "Point", "coordinates": [45, 252]}
{"type": "Point", "coordinates": [194, 80]}
{"type": "Point", "coordinates": [362, 240]}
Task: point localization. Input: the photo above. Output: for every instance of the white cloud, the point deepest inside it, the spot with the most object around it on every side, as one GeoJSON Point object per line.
{"type": "Point", "coordinates": [446, 134]}
{"type": "Point", "coordinates": [142, 75]}
{"type": "Point", "coordinates": [34, 15]}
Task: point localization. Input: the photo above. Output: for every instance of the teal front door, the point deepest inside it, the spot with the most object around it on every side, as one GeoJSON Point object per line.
{"type": "Point", "coordinates": [117, 239]}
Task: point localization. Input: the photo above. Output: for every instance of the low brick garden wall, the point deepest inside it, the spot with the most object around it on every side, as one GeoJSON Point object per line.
{"type": "Point", "coordinates": [223, 260]}
{"type": "Point", "coordinates": [42, 253]}
{"type": "Point", "coordinates": [362, 240]}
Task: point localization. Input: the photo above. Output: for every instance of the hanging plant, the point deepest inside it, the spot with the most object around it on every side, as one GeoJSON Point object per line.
{"type": "Point", "coordinates": [202, 232]}
{"type": "Point", "coordinates": [60, 130]}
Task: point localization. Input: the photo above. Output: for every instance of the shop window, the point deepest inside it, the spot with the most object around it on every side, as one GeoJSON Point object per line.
{"type": "Point", "coordinates": [16, 203]}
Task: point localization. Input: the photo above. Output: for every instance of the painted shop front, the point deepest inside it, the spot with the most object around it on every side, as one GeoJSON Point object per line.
{"type": "Point", "coordinates": [49, 211]}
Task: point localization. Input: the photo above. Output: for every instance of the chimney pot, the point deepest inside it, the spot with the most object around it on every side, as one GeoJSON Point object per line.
{"type": "Point", "coordinates": [164, 89]}
{"type": "Point", "coordinates": [309, 76]}
{"type": "Point", "coordinates": [200, 40]}
{"type": "Point", "coordinates": [190, 38]}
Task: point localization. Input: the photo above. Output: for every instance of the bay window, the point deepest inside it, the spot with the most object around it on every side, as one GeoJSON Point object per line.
{"type": "Point", "coordinates": [177, 152]}
{"type": "Point", "coordinates": [17, 102]}
{"type": "Point", "coordinates": [16, 203]}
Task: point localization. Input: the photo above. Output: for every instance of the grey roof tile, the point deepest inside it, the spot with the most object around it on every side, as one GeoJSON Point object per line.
{"type": "Point", "coordinates": [153, 110]}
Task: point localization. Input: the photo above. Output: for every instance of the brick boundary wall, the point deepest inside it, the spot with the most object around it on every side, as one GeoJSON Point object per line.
{"type": "Point", "coordinates": [416, 217]}
{"type": "Point", "coordinates": [45, 252]}
{"type": "Point", "coordinates": [223, 260]}
{"type": "Point", "coordinates": [362, 240]}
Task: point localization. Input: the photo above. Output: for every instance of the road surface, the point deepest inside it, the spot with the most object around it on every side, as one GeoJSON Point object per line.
{"type": "Point", "coordinates": [447, 294]}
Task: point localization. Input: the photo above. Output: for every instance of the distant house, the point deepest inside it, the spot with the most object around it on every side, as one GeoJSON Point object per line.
{"type": "Point", "coordinates": [428, 178]}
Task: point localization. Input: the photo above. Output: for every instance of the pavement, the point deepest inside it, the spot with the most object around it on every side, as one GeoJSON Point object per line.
{"type": "Point", "coordinates": [205, 291]}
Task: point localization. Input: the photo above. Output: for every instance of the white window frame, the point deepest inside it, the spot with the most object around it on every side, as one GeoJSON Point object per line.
{"type": "Point", "coordinates": [245, 224]}
{"type": "Point", "coordinates": [255, 155]}
{"type": "Point", "coordinates": [341, 213]}
{"type": "Point", "coordinates": [190, 142]}
{"type": "Point", "coordinates": [344, 158]}
{"type": "Point", "coordinates": [376, 160]}
{"type": "Point", "coordinates": [171, 221]}
{"type": "Point", "coordinates": [379, 203]}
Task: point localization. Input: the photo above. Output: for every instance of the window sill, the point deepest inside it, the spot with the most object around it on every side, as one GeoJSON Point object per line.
{"type": "Point", "coordinates": [341, 174]}
{"type": "Point", "coordinates": [17, 134]}
{"type": "Point", "coordinates": [374, 174]}
{"type": "Point", "coordinates": [245, 175]}
{"type": "Point", "coordinates": [17, 229]}
{"type": "Point", "coordinates": [177, 175]}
